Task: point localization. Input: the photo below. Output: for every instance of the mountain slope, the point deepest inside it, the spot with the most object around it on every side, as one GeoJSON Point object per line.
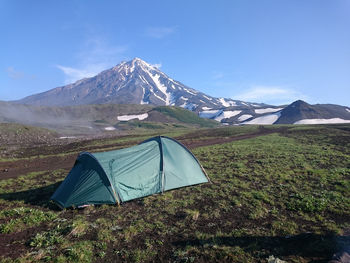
{"type": "Point", "coordinates": [133, 82]}
{"type": "Point", "coordinates": [91, 119]}
{"type": "Point", "coordinates": [300, 110]}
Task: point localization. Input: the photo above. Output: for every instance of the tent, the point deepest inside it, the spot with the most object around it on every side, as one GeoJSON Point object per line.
{"type": "Point", "coordinates": [154, 166]}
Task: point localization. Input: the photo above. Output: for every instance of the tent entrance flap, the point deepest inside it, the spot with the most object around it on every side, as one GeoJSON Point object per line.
{"type": "Point", "coordinates": [86, 183]}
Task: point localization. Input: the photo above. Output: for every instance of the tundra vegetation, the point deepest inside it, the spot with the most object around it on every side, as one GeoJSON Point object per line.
{"type": "Point", "coordinates": [275, 190]}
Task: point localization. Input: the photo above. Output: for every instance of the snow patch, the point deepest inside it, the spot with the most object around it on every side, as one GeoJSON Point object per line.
{"type": "Point", "coordinates": [322, 121]}
{"type": "Point", "coordinates": [67, 137]}
{"type": "Point", "coordinates": [130, 117]}
{"type": "Point", "coordinates": [191, 92]}
{"type": "Point", "coordinates": [207, 97]}
{"type": "Point", "coordinates": [189, 106]}
{"type": "Point", "coordinates": [267, 119]}
{"type": "Point", "coordinates": [210, 114]}
{"type": "Point", "coordinates": [161, 87]}
{"type": "Point", "coordinates": [227, 114]}
{"type": "Point", "coordinates": [206, 108]}
{"type": "Point", "coordinates": [223, 102]}
{"type": "Point", "coordinates": [232, 103]}
{"type": "Point", "coordinates": [266, 110]}
{"type": "Point", "coordinates": [143, 97]}
{"type": "Point", "coordinates": [244, 117]}
{"type": "Point", "coordinates": [227, 103]}
{"type": "Point", "coordinates": [111, 128]}
{"type": "Point", "coordinates": [348, 110]}
{"type": "Point", "coordinates": [183, 98]}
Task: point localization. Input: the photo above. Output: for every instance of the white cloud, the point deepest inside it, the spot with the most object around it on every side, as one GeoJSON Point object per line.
{"type": "Point", "coordinates": [74, 74]}
{"type": "Point", "coordinates": [270, 95]}
{"type": "Point", "coordinates": [216, 75]}
{"type": "Point", "coordinates": [16, 74]}
{"type": "Point", "coordinates": [157, 65]}
{"type": "Point", "coordinates": [159, 32]}
{"type": "Point", "coordinates": [95, 56]}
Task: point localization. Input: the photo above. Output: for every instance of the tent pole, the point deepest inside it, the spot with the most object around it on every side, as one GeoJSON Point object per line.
{"type": "Point", "coordinates": [162, 161]}
{"type": "Point", "coordinates": [116, 198]}
{"type": "Point", "coordinates": [203, 170]}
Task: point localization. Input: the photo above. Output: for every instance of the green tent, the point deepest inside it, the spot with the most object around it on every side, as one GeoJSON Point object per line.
{"type": "Point", "coordinates": [154, 166]}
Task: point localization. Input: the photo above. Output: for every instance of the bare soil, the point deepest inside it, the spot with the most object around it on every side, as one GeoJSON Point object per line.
{"type": "Point", "coordinates": [16, 168]}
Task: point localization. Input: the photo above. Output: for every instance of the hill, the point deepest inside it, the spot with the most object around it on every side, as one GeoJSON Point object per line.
{"type": "Point", "coordinates": [92, 119]}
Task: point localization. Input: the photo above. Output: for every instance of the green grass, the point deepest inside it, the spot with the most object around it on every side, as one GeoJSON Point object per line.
{"type": "Point", "coordinates": [285, 194]}
{"type": "Point", "coordinates": [185, 116]}
{"type": "Point", "coordinates": [19, 219]}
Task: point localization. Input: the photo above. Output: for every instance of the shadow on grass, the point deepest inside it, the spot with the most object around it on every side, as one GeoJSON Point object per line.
{"type": "Point", "coordinates": [307, 245]}
{"type": "Point", "coordinates": [38, 196]}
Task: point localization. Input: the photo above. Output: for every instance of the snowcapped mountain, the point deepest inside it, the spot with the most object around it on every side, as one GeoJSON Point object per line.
{"type": "Point", "coordinates": [298, 112]}
{"type": "Point", "coordinates": [132, 82]}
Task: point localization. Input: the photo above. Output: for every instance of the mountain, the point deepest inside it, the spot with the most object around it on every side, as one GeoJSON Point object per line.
{"type": "Point", "coordinates": [132, 82]}
{"type": "Point", "coordinates": [303, 113]}
{"type": "Point", "coordinates": [298, 112]}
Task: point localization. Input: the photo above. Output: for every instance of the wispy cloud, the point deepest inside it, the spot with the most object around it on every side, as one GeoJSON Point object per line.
{"type": "Point", "coordinates": [157, 65]}
{"type": "Point", "coordinates": [159, 32]}
{"type": "Point", "coordinates": [95, 56]}
{"type": "Point", "coordinates": [16, 74]}
{"type": "Point", "coordinates": [270, 95]}
{"type": "Point", "coordinates": [216, 75]}
{"type": "Point", "coordinates": [74, 74]}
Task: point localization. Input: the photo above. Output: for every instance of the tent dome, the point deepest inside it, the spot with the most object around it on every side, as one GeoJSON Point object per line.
{"type": "Point", "coordinates": [154, 166]}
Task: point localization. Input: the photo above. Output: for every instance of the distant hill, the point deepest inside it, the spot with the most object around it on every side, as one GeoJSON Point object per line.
{"type": "Point", "coordinates": [298, 112]}
{"type": "Point", "coordinates": [90, 119]}
{"type": "Point", "coordinates": [13, 133]}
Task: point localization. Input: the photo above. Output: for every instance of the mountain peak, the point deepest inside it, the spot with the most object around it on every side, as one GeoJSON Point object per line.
{"type": "Point", "coordinates": [137, 59]}
{"type": "Point", "coordinates": [299, 104]}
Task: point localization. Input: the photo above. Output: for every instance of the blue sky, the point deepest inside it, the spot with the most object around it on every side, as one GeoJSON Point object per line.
{"type": "Point", "coordinates": [272, 51]}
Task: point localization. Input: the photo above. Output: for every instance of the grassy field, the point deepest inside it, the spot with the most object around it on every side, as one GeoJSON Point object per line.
{"type": "Point", "coordinates": [276, 190]}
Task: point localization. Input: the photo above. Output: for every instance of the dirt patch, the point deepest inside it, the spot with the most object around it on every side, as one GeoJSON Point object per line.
{"type": "Point", "coordinates": [19, 240]}
{"type": "Point", "coordinates": [193, 143]}
{"type": "Point", "coordinates": [14, 169]}
{"type": "Point", "coordinates": [17, 168]}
